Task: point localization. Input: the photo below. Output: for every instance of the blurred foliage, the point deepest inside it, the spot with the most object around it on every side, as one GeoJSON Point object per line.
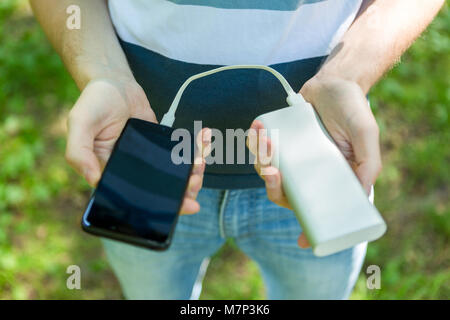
{"type": "Point", "coordinates": [41, 198]}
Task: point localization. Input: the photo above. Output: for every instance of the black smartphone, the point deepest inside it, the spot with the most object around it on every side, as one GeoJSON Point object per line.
{"type": "Point", "coordinates": [140, 193]}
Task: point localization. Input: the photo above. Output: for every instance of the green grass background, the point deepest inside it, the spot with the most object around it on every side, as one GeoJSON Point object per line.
{"type": "Point", "coordinates": [42, 199]}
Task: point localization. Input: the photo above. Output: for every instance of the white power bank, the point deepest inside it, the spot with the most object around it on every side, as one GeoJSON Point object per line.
{"type": "Point", "coordinates": [326, 196]}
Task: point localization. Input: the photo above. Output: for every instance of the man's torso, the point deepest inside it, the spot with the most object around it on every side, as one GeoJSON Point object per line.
{"type": "Point", "coordinates": [166, 41]}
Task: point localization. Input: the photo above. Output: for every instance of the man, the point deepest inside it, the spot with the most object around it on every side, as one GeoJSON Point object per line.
{"type": "Point", "coordinates": [129, 58]}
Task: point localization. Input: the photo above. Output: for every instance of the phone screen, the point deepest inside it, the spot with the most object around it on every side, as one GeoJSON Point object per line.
{"type": "Point", "coordinates": [141, 189]}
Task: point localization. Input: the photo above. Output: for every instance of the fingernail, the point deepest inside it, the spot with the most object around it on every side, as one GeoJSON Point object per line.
{"type": "Point", "coordinates": [91, 177]}
{"type": "Point", "coordinates": [86, 174]}
{"type": "Point", "coordinates": [206, 138]}
{"type": "Point", "coordinates": [271, 180]}
{"type": "Point", "coordinates": [303, 242]}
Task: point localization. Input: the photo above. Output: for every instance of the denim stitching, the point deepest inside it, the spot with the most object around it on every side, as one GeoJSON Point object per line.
{"type": "Point", "coordinates": [221, 214]}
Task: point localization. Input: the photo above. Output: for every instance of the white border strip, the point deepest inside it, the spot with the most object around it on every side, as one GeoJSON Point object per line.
{"type": "Point", "coordinates": [207, 35]}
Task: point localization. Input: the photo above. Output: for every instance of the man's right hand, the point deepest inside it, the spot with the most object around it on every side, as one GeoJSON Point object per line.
{"type": "Point", "coordinates": [97, 119]}
{"type": "Point", "coordinates": [107, 102]}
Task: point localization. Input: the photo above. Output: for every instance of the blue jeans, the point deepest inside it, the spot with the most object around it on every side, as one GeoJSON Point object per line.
{"type": "Point", "coordinates": [264, 231]}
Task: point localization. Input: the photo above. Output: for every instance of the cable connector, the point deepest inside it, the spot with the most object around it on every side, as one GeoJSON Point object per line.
{"type": "Point", "coordinates": [168, 119]}
{"type": "Point", "coordinates": [295, 99]}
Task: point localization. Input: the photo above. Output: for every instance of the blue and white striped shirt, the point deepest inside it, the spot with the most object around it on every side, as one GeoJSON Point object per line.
{"type": "Point", "coordinates": [166, 41]}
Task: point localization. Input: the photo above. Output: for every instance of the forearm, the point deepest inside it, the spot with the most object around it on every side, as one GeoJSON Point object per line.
{"type": "Point", "coordinates": [383, 30]}
{"type": "Point", "coordinates": [91, 52]}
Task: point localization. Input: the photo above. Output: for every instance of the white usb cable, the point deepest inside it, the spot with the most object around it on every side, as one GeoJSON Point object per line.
{"type": "Point", "coordinates": [292, 97]}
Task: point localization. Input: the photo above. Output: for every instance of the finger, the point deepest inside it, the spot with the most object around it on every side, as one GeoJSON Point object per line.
{"type": "Point", "coordinates": [303, 241]}
{"type": "Point", "coordinates": [199, 167]}
{"type": "Point", "coordinates": [252, 138]}
{"type": "Point", "coordinates": [252, 141]}
{"type": "Point", "coordinates": [189, 206]}
{"type": "Point", "coordinates": [194, 186]}
{"type": "Point", "coordinates": [80, 151]}
{"type": "Point", "coordinates": [264, 158]}
{"type": "Point", "coordinates": [203, 142]}
{"type": "Point", "coordinates": [259, 145]}
{"type": "Point", "coordinates": [366, 147]}
{"type": "Point", "coordinates": [274, 187]}
{"type": "Point", "coordinates": [203, 149]}
{"type": "Point", "coordinates": [258, 169]}
{"type": "Point", "coordinates": [146, 114]}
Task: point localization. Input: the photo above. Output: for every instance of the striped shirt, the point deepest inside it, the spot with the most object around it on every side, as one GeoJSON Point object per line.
{"type": "Point", "coordinates": [166, 41]}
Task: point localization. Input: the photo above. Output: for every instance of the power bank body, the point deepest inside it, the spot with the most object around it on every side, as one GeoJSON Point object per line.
{"type": "Point", "coordinates": [326, 196]}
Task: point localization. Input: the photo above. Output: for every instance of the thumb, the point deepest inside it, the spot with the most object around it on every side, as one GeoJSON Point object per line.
{"type": "Point", "coordinates": [302, 241]}
{"type": "Point", "coordinates": [366, 148]}
{"type": "Point", "coordinates": [80, 152]}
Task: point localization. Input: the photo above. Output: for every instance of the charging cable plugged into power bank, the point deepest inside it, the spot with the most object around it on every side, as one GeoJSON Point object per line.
{"type": "Point", "coordinates": [324, 193]}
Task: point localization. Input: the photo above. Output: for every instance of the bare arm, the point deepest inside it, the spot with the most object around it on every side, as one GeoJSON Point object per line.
{"type": "Point", "coordinates": [91, 52]}
{"type": "Point", "coordinates": [109, 93]}
{"type": "Point", "coordinates": [383, 30]}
